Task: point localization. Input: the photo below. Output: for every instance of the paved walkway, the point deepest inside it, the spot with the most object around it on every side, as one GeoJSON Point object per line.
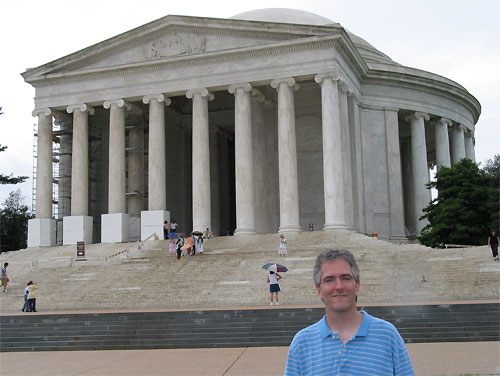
{"type": "Point", "coordinates": [477, 358]}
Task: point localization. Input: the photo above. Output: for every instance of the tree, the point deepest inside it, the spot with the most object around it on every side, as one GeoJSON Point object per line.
{"type": "Point", "coordinates": [492, 168]}
{"type": "Point", "coordinates": [462, 212]}
{"type": "Point", "coordinates": [14, 222]}
{"type": "Point", "coordinates": [9, 179]}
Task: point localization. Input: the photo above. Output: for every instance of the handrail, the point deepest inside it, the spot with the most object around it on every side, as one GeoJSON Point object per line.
{"type": "Point", "coordinates": [138, 243]}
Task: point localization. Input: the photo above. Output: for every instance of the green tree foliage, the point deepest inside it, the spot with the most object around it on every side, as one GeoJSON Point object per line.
{"type": "Point", "coordinates": [14, 222]}
{"type": "Point", "coordinates": [464, 209]}
{"type": "Point", "coordinates": [492, 168]}
{"type": "Point", "coordinates": [9, 179]}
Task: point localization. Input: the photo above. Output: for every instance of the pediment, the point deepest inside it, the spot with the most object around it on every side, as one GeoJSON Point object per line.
{"type": "Point", "coordinates": [172, 37]}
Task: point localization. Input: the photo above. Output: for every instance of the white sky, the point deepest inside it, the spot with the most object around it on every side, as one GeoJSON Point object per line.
{"type": "Point", "coordinates": [458, 39]}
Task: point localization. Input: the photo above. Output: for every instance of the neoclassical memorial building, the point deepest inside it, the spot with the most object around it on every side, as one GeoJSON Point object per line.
{"type": "Point", "coordinates": [271, 120]}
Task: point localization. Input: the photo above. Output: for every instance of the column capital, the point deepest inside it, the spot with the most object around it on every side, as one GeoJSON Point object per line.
{"type": "Point", "coordinates": [243, 85]}
{"type": "Point", "coordinates": [333, 74]}
{"type": "Point", "coordinates": [445, 121]}
{"type": "Point", "coordinates": [119, 102]}
{"type": "Point", "coordinates": [41, 111]}
{"type": "Point", "coordinates": [158, 97]}
{"type": "Point", "coordinates": [462, 127]}
{"type": "Point", "coordinates": [344, 87]}
{"type": "Point", "coordinates": [290, 81]}
{"type": "Point", "coordinates": [81, 107]}
{"type": "Point", "coordinates": [418, 115]}
{"type": "Point", "coordinates": [204, 92]}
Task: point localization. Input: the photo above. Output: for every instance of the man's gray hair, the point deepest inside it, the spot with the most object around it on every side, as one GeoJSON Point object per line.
{"type": "Point", "coordinates": [331, 255]}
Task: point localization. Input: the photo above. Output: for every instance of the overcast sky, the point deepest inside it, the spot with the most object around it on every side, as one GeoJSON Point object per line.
{"type": "Point", "coordinates": [457, 39]}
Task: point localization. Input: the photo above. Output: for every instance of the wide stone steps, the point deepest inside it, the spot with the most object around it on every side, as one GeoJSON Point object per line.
{"type": "Point", "coordinates": [230, 274]}
{"type": "Point", "coordinates": [232, 328]}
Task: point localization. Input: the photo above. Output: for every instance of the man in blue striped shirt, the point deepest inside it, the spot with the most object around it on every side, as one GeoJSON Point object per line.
{"type": "Point", "coordinates": [345, 341]}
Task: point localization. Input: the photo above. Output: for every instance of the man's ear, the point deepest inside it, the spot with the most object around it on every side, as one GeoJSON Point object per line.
{"type": "Point", "coordinates": [318, 290]}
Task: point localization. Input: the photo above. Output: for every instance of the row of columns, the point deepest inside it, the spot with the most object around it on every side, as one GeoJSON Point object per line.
{"type": "Point", "coordinates": [337, 178]}
{"type": "Point", "coordinates": [245, 205]}
{"type": "Point", "coordinates": [461, 147]}
{"type": "Point", "coordinates": [462, 143]}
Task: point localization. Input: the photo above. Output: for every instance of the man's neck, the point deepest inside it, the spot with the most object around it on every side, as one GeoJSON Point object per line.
{"type": "Point", "coordinates": [346, 324]}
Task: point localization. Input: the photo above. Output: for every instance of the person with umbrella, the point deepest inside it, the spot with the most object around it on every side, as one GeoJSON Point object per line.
{"type": "Point", "coordinates": [274, 287]}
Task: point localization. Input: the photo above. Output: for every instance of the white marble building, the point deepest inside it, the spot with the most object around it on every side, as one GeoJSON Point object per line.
{"type": "Point", "coordinates": [269, 121]}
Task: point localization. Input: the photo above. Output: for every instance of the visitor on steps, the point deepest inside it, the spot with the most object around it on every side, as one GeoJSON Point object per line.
{"type": "Point", "coordinates": [165, 230]}
{"type": "Point", "coordinates": [3, 277]}
{"type": "Point", "coordinates": [282, 250]}
{"type": "Point", "coordinates": [26, 306]}
{"type": "Point", "coordinates": [173, 226]}
{"type": "Point", "coordinates": [199, 245]}
{"type": "Point", "coordinates": [493, 241]}
{"type": "Point", "coordinates": [274, 287]}
{"type": "Point", "coordinates": [32, 292]}
{"type": "Point", "coordinates": [345, 341]}
{"type": "Point", "coordinates": [178, 246]}
{"type": "Point", "coordinates": [207, 234]}
{"type": "Point", "coordinates": [172, 246]}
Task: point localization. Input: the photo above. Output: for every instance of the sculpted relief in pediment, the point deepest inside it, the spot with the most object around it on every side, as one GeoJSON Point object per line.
{"type": "Point", "coordinates": [167, 46]}
{"type": "Point", "coordinates": [173, 45]}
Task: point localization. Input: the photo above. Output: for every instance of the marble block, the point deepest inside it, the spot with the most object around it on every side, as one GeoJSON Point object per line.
{"type": "Point", "coordinates": [115, 228]}
{"type": "Point", "coordinates": [152, 223]}
{"type": "Point", "coordinates": [41, 232]}
{"type": "Point", "coordinates": [76, 229]}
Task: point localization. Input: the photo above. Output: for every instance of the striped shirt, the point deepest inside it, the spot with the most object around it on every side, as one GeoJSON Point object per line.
{"type": "Point", "coordinates": [376, 349]}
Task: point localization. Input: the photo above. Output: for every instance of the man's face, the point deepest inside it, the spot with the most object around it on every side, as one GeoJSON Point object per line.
{"type": "Point", "coordinates": [338, 289]}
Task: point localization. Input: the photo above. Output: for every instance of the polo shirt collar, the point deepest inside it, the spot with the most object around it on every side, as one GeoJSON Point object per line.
{"type": "Point", "coordinates": [324, 329]}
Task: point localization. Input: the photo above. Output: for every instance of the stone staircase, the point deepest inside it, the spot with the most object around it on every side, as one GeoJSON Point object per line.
{"type": "Point", "coordinates": [232, 328]}
{"type": "Point", "coordinates": [229, 273]}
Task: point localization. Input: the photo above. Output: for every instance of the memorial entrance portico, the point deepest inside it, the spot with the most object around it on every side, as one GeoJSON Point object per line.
{"type": "Point", "coordinates": [241, 127]}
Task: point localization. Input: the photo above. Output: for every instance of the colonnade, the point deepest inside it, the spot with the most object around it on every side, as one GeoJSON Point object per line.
{"type": "Point", "coordinates": [342, 204]}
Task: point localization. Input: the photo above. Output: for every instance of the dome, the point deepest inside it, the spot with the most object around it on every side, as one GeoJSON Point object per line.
{"type": "Point", "coordinates": [295, 16]}
{"type": "Point", "coordinates": [284, 15]}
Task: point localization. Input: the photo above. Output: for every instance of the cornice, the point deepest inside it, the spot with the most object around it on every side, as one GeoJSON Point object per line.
{"type": "Point", "coordinates": [448, 89]}
{"type": "Point", "coordinates": [217, 57]}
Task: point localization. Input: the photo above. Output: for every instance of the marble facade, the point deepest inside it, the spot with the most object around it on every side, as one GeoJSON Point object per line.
{"type": "Point", "coordinates": [268, 121]}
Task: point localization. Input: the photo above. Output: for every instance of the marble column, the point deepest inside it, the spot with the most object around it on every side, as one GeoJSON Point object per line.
{"type": "Point", "coordinates": [80, 161]}
{"type": "Point", "coordinates": [115, 224]}
{"type": "Point", "coordinates": [245, 205]}
{"type": "Point", "coordinates": [42, 229]}
{"type": "Point", "coordinates": [135, 201]}
{"type": "Point", "coordinates": [442, 142]}
{"type": "Point", "coordinates": [346, 154]}
{"type": "Point", "coordinates": [135, 181]}
{"type": "Point", "coordinates": [356, 162]}
{"type": "Point", "coordinates": [201, 159]}
{"type": "Point", "coordinates": [116, 197]}
{"type": "Point", "coordinates": [287, 156]}
{"type": "Point", "coordinates": [44, 164]}
{"type": "Point", "coordinates": [78, 227]}
{"type": "Point", "coordinates": [65, 123]}
{"type": "Point", "coordinates": [394, 173]}
{"type": "Point", "coordinates": [469, 146]}
{"type": "Point", "coordinates": [152, 220]}
{"type": "Point", "coordinates": [215, 188]}
{"type": "Point", "coordinates": [420, 171]}
{"type": "Point", "coordinates": [332, 151]}
{"type": "Point", "coordinates": [157, 197]}
{"type": "Point", "coordinates": [457, 144]}
{"type": "Point", "coordinates": [262, 185]}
